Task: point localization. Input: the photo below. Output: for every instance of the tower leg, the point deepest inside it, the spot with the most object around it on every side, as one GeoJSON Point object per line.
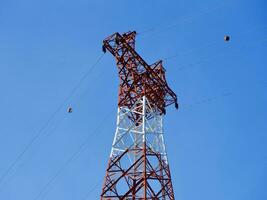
{"type": "Point", "coordinates": [138, 166]}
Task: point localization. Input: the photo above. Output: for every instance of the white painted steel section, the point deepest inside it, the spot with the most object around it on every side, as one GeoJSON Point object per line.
{"type": "Point", "coordinates": [149, 129]}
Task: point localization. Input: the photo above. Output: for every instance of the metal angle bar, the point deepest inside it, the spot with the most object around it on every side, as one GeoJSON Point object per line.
{"type": "Point", "coordinates": [146, 65]}
{"type": "Point", "coordinates": [123, 174]}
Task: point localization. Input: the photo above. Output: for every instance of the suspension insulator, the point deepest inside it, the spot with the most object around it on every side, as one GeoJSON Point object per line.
{"type": "Point", "coordinates": [176, 105]}
{"type": "Point", "coordinates": [104, 49]}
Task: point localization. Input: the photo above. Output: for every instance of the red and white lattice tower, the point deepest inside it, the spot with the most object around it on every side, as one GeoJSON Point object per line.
{"type": "Point", "coordinates": [138, 166]}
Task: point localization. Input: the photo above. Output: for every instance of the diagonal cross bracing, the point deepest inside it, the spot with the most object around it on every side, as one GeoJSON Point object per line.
{"type": "Point", "coordinates": [138, 166]}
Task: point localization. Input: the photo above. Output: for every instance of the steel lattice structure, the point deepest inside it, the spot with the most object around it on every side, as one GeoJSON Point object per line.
{"type": "Point", "coordinates": [138, 167]}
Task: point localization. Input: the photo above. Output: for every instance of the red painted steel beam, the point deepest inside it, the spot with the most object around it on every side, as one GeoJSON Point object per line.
{"type": "Point", "coordinates": [137, 78]}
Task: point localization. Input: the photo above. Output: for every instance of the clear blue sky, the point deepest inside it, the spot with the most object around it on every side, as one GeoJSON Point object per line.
{"type": "Point", "coordinates": [216, 142]}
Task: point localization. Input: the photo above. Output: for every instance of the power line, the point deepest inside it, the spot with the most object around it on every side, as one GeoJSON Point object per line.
{"type": "Point", "coordinates": [82, 146]}
{"type": "Point", "coordinates": [210, 99]}
{"type": "Point", "coordinates": [71, 158]}
{"type": "Point", "coordinates": [199, 102]}
{"type": "Point", "coordinates": [40, 132]}
{"type": "Point", "coordinates": [53, 116]}
{"type": "Point", "coordinates": [185, 18]}
{"type": "Point", "coordinates": [192, 50]}
{"type": "Point", "coordinates": [60, 107]}
{"type": "Point", "coordinates": [19, 166]}
{"type": "Point", "coordinates": [92, 189]}
{"type": "Point", "coordinates": [205, 46]}
{"type": "Point", "coordinates": [157, 28]}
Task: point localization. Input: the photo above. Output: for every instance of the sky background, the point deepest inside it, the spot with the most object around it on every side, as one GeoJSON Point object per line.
{"type": "Point", "coordinates": [216, 142]}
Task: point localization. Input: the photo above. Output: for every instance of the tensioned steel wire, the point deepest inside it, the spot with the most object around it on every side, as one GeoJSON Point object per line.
{"type": "Point", "coordinates": [252, 43]}
{"type": "Point", "coordinates": [21, 162]}
{"type": "Point", "coordinates": [221, 53]}
{"type": "Point", "coordinates": [41, 131]}
{"type": "Point", "coordinates": [73, 156]}
{"type": "Point", "coordinates": [235, 38]}
{"type": "Point", "coordinates": [189, 106]}
{"type": "Point", "coordinates": [81, 148]}
{"type": "Point", "coordinates": [91, 190]}
{"type": "Point", "coordinates": [59, 172]}
{"type": "Point", "coordinates": [55, 125]}
{"type": "Point", "coordinates": [73, 91]}
{"type": "Point", "coordinates": [164, 27]}
{"type": "Point", "coordinates": [197, 102]}
{"type": "Point", "coordinates": [156, 30]}
{"type": "Point", "coordinates": [212, 98]}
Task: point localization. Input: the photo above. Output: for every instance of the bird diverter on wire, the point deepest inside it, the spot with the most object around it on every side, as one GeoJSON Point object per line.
{"type": "Point", "coordinates": [226, 38]}
{"type": "Point", "coordinates": [69, 110]}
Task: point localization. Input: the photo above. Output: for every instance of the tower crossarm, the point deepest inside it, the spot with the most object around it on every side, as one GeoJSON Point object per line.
{"type": "Point", "coordinates": [137, 78]}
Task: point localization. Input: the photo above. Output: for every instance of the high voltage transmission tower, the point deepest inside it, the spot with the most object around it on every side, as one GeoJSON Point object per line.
{"type": "Point", "coordinates": [138, 166]}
